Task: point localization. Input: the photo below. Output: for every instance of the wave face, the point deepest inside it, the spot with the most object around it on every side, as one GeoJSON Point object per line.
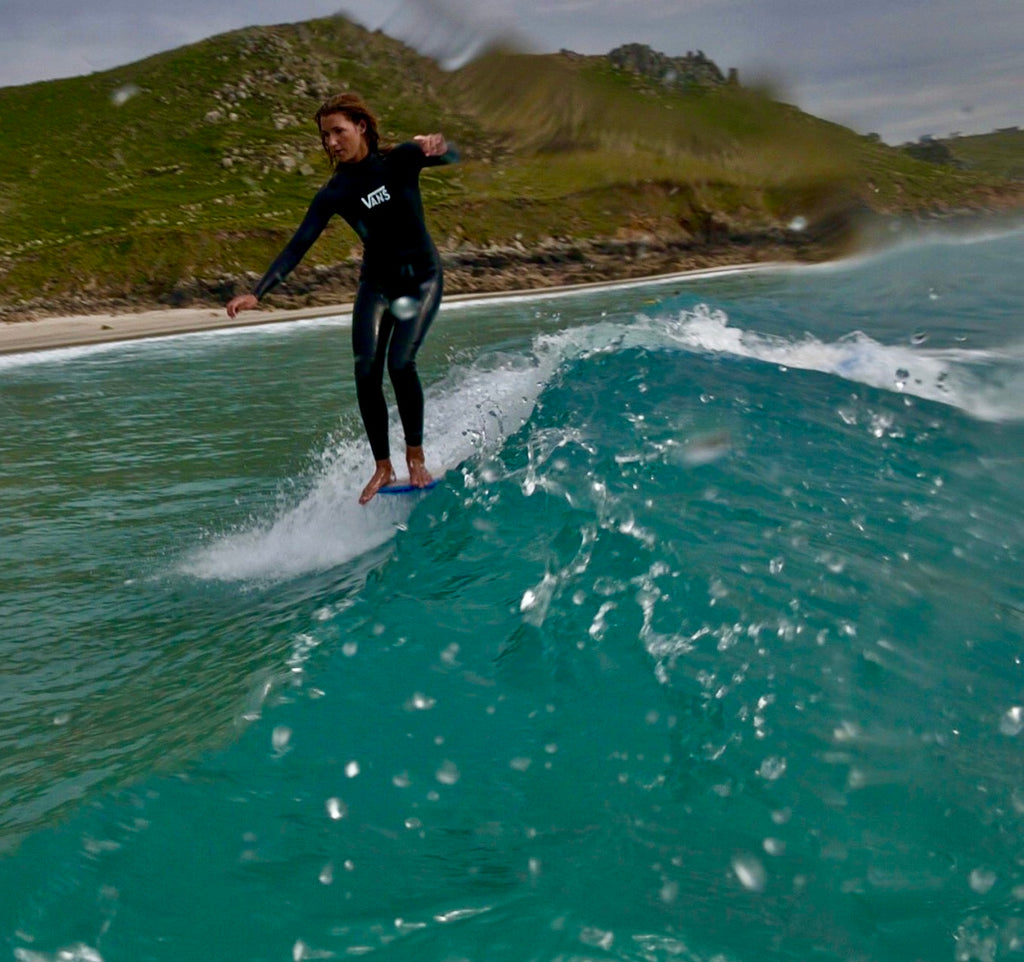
{"type": "Point", "coordinates": [706, 648]}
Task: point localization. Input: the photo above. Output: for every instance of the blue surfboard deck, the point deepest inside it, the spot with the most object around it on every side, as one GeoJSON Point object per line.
{"type": "Point", "coordinates": [403, 487]}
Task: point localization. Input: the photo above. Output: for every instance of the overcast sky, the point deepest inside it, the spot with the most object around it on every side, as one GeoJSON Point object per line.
{"type": "Point", "coordinates": [901, 68]}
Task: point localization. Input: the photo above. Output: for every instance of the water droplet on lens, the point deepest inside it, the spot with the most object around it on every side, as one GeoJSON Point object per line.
{"type": "Point", "coordinates": [750, 872]}
{"type": "Point", "coordinates": [405, 308]}
{"type": "Point", "coordinates": [123, 94]}
{"type": "Point", "coordinates": [982, 880]}
{"type": "Point", "coordinates": [447, 774]}
{"type": "Point", "coordinates": [1012, 723]}
{"type": "Point", "coordinates": [280, 737]}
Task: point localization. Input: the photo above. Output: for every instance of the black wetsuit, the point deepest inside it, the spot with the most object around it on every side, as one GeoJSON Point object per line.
{"type": "Point", "coordinates": [380, 198]}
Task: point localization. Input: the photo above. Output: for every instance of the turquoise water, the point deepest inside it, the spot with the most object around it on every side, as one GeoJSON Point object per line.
{"type": "Point", "coordinates": [709, 646]}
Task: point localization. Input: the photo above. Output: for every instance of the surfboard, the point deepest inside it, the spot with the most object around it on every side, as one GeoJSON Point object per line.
{"type": "Point", "coordinates": [404, 487]}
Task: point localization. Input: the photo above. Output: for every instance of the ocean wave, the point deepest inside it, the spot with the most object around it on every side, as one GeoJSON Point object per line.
{"type": "Point", "coordinates": [986, 384]}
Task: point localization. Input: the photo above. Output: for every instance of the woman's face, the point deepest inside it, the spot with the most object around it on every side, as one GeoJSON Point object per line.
{"type": "Point", "coordinates": [345, 141]}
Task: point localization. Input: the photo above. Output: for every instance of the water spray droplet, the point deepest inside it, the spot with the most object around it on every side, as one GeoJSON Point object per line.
{"type": "Point", "coordinates": [772, 768]}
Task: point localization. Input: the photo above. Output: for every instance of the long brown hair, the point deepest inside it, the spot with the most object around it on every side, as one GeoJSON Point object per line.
{"type": "Point", "coordinates": [356, 109]}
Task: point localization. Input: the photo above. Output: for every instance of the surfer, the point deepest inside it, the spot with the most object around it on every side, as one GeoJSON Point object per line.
{"type": "Point", "coordinates": [375, 188]}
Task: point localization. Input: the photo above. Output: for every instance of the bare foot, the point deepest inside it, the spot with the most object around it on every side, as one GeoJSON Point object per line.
{"type": "Point", "coordinates": [383, 474]}
{"type": "Point", "coordinates": [419, 476]}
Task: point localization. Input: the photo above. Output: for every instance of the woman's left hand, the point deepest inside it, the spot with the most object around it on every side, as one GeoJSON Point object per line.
{"type": "Point", "coordinates": [433, 145]}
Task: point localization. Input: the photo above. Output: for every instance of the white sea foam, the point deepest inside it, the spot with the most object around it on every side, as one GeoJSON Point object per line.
{"type": "Point", "coordinates": [473, 412]}
{"type": "Point", "coordinates": [987, 384]}
{"type": "Point", "coordinates": [470, 414]}
{"type": "Point", "coordinates": [327, 527]}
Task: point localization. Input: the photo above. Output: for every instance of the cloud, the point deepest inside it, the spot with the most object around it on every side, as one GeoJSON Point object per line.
{"type": "Point", "coordinates": [901, 111]}
{"type": "Point", "coordinates": [62, 38]}
{"type": "Point", "coordinates": [898, 67]}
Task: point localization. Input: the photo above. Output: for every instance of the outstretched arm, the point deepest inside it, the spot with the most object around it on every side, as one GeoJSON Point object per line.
{"type": "Point", "coordinates": [309, 230]}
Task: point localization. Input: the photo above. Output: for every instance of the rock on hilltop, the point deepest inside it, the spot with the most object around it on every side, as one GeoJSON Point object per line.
{"type": "Point", "coordinates": [693, 69]}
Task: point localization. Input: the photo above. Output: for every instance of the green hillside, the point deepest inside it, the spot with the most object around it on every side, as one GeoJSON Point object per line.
{"type": "Point", "coordinates": [1000, 153]}
{"type": "Point", "coordinates": [198, 163]}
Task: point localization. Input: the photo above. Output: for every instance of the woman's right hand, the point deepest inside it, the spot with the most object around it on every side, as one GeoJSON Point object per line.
{"type": "Point", "coordinates": [433, 145]}
{"type": "Point", "coordinates": [243, 302]}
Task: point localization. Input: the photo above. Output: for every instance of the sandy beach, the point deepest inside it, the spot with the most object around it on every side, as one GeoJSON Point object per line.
{"type": "Point", "coordinates": [76, 330]}
{"type": "Point", "coordinates": [49, 333]}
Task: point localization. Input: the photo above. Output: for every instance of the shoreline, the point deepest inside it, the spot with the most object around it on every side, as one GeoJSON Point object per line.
{"type": "Point", "coordinates": [82, 330]}
{"type": "Point", "coordinates": [554, 267]}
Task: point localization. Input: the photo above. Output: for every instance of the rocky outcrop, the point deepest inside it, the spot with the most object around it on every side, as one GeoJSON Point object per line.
{"type": "Point", "coordinates": [693, 69]}
{"type": "Point", "coordinates": [932, 151]}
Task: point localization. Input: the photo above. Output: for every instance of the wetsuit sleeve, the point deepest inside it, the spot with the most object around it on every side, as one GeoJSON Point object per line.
{"type": "Point", "coordinates": [309, 230]}
{"type": "Point", "coordinates": [411, 153]}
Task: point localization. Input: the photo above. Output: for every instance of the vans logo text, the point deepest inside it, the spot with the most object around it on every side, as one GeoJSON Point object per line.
{"type": "Point", "coordinates": [376, 197]}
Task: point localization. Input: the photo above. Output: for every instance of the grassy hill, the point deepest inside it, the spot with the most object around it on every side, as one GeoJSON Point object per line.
{"type": "Point", "coordinates": [1000, 153]}
{"type": "Point", "coordinates": [199, 162]}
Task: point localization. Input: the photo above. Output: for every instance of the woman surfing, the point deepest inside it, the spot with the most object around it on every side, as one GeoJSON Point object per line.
{"type": "Point", "coordinates": [376, 190]}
